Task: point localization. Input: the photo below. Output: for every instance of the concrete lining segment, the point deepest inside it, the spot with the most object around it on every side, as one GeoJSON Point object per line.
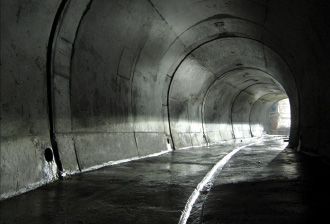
{"type": "Point", "coordinates": [190, 12]}
{"type": "Point", "coordinates": [230, 75]}
{"type": "Point", "coordinates": [25, 124]}
{"type": "Point", "coordinates": [181, 37]}
{"type": "Point", "coordinates": [290, 43]}
{"type": "Point", "coordinates": [50, 96]}
{"type": "Point", "coordinates": [205, 36]}
{"type": "Point", "coordinates": [208, 64]}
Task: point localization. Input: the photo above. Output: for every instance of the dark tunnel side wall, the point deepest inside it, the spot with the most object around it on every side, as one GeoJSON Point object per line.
{"type": "Point", "coordinates": [25, 134]}
{"type": "Point", "coordinates": [114, 108]}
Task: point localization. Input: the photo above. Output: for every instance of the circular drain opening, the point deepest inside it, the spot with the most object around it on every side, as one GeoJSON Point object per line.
{"type": "Point", "coordinates": [49, 154]}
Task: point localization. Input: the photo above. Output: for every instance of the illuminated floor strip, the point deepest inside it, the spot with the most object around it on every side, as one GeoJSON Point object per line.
{"type": "Point", "coordinates": [194, 196]}
{"type": "Point", "coordinates": [124, 161]}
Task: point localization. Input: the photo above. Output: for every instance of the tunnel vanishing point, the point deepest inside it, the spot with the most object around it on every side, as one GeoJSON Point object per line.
{"type": "Point", "coordinates": [86, 83]}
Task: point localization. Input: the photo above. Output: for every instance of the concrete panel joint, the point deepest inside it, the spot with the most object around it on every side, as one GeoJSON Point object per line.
{"type": "Point", "coordinates": [126, 63]}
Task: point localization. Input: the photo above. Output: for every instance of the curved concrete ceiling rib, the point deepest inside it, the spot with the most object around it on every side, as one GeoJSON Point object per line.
{"type": "Point", "coordinates": [207, 31]}
{"type": "Point", "coordinates": [116, 100]}
{"type": "Point", "coordinates": [224, 96]}
{"type": "Point", "coordinates": [206, 64]}
{"type": "Point", "coordinates": [62, 51]}
{"type": "Point", "coordinates": [181, 15]}
{"type": "Point", "coordinates": [243, 104]}
{"type": "Point", "coordinates": [145, 59]}
{"type": "Point", "coordinates": [117, 61]}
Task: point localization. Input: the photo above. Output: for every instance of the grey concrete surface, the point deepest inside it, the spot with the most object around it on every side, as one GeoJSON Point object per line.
{"type": "Point", "coordinates": [263, 183]}
{"type": "Point", "coordinates": [107, 80]}
{"type": "Point", "coordinates": [25, 28]}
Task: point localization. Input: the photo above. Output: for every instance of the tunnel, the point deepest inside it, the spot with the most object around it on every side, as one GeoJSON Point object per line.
{"type": "Point", "coordinates": [87, 84]}
{"type": "Point", "coordinates": [232, 99]}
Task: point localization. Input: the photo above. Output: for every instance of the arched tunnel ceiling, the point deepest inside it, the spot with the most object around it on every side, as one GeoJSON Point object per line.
{"type": "Point", "coordinates": [121, 71]}
{"type": "Point", "coordinates": [215, 87]}
{"type": "Point", "coordinates": [121, 78]}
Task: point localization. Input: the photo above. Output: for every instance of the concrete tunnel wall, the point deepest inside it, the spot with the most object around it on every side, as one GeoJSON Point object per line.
{"type": "Point", "coordinates": [217, 105]}
{"type": "Point", "coordinates": [101, 81]}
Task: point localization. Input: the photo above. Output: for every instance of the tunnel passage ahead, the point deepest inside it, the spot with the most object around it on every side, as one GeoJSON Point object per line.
{"type": "Point", "coordinates": [224, 89]}
{"type": "Point", "coordinates": [158, 84]}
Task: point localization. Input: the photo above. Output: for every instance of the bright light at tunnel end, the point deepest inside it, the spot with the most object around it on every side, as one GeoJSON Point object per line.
{"type": "Point", "coordinates": [285, 113]}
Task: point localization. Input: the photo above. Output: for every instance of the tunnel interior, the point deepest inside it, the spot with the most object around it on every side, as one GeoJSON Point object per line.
{"type": "Point", "coordinates": [221, 91]}
{"type": "Point", "coordinates": [97, 82]}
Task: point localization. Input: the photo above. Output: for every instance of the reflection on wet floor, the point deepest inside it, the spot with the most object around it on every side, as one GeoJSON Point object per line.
{"type": "Point", "coordinates": [259, 184]}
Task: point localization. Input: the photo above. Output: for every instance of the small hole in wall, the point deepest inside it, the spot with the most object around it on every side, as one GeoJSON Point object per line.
{"type": "Point", "coordinates": [219, 24]}
{"type": "Point", "coordinates": [168, 141]}
{"type": "Point", "coordinates": [49, 154]}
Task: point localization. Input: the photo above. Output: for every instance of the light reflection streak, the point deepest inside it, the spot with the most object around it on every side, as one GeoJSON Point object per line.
{"type": "Point", "coordinates": [208, 179]}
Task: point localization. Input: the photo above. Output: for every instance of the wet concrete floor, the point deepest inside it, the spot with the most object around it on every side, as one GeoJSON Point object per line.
{"type": "Point", "coordinates": [262, 183]}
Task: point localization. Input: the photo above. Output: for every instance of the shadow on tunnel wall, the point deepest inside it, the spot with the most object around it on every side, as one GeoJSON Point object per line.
{"type": "Point", "coordinates": [126, 76]}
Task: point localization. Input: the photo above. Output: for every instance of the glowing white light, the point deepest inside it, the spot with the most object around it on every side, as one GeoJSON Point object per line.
{"type": "Point", "coordinates": [125, 160]}
{"type": "Point", "coordinates": [285, 113]}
